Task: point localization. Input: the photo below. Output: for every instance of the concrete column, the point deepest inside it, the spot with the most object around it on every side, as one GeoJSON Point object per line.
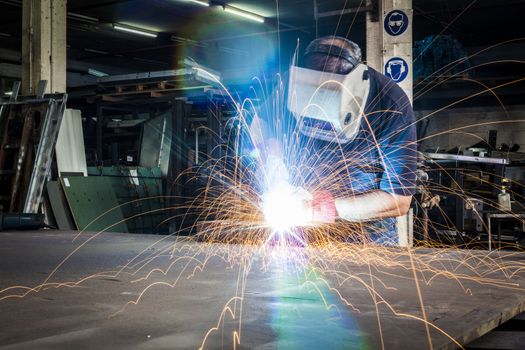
{"type": "Point", "coordinates": [399, 46]}
{"type": "Point", "coordinates": [374, 37]}
{"type": "Point", "coordinates": [44, 45]}
{"type": "Point", "coordinates": [389, 51]}
{"type": "Point", "coordinates": [383, 46]}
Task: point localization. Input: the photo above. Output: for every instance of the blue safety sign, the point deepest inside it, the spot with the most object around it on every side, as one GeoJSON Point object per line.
{"type": "Point", "coordinates": [396, 22]}
{"type": "Point", "coordinates": [397, 69]}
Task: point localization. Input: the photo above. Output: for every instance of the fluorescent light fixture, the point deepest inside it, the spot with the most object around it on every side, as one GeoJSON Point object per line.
{"type": "Point", "coordinates": [248, 15]}
{"type": "Point", "coordinates": [198, 2]}
{"type": "Point", "coordinates": [100, 52]}
{"type": "Point", "coordinates": [96, 73]}
{"type": "Point", "coordinates": [8, 93]}
{"type": "Point", "coordinates": [81, 18]}
{"type": "Point", "coordinates": [134, 30]}
{"type": "Point", "coordinates": [145, 60]}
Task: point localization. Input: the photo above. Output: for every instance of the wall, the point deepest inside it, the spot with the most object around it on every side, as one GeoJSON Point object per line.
{"type": "Point", "coordinates": [475, 122]}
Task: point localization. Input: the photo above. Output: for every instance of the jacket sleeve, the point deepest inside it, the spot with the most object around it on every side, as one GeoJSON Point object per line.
{"type": "Point", "coordinates": [398, 151]}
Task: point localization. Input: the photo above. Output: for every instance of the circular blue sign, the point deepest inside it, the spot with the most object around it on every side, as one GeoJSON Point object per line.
{"type": "Point", "coordinates": [396, 69]}
{"type": "Point", "coordinates": [396, 22]}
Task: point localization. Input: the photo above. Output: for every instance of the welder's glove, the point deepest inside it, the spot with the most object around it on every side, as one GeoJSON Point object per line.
{"type": "Point", "coordinates": [323, 207]}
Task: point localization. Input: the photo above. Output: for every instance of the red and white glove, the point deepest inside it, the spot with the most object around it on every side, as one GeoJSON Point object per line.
{"type": "Point", "coordinates": [323, 207]}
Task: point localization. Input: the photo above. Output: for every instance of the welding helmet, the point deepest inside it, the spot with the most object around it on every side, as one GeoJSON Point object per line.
{"type": "Point", "coordinates": [329, 106]}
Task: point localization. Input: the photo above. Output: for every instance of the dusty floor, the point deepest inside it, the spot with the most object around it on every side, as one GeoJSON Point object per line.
{"type": "Point", "coordinates": [185, 290]}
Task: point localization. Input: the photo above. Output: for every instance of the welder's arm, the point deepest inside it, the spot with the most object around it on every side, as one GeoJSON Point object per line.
{"type": "Point", "coordinates": [398, 149]}
{"type": "Point", "coordinates": [377, 204]}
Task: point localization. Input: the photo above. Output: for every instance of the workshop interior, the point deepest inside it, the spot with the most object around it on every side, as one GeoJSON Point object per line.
{"type": "Point", "coordinates": [160, 162]}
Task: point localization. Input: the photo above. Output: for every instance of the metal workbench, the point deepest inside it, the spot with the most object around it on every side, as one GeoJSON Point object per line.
{"type": "Point", "coordinates": [179, 307]}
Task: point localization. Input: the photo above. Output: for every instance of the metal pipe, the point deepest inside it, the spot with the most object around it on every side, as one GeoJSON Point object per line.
{"type": "Point", "coordinates": [24, 221]}
{"type": "Point", "coordinates": [344, 11]}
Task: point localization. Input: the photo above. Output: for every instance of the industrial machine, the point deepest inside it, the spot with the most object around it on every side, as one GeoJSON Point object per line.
{"type": "Point", "coordinates": [144, 134]}
{"type": "Point", "coordinates": [466, 199]}
{"type": "Point", "coordinates": [29, 128]}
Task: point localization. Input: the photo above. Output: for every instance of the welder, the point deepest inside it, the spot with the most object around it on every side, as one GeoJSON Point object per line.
{"type": "Point", "coordinates": [359, 133]}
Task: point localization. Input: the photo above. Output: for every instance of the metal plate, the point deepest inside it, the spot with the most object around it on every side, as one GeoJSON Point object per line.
{"type": "Point", "coordinates": [139, 191]}
{"type": "Point", "coordinates": [93, 204]}
{"type": "Point", "coordinates": [59, 206]}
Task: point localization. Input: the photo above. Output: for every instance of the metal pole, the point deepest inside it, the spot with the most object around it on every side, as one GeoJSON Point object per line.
{"type": "Point", "coordinates": [425, 225]}
{"type": "Point", "coordinates": [197, 143]}
{"type": "Point", "coordinates": [99, 133]}
{"type": "Point", "coordinates": [490, 231]}
{"type": "Point", "coordinates": [316, 19]}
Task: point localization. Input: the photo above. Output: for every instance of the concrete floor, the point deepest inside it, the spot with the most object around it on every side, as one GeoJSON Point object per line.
{"type": "Point", "coordinates": [179, 307]}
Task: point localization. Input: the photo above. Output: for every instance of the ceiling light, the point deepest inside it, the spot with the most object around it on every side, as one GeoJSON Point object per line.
{"type": "Point", "coordinates": [8, 93]}
{"type": "Point", "coordinates": [100, 52]}
{"type": "Point", "coordinates": [96, 73]}
{"type": "Point", "coordinates": [198, 2]}
{"type": "Point", "coordinates": [134, 30]}
{"type": "Point", "coordinates": [81, 18]}
{"type": "Point", "coordinates": [249, 15]}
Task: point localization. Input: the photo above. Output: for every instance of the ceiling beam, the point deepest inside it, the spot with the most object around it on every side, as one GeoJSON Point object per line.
{"type": "Point", "coordinates": [98, 5]}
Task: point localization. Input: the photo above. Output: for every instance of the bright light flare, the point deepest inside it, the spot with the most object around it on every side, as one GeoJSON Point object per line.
{"type": "Point", "coordinates": [285, 206]}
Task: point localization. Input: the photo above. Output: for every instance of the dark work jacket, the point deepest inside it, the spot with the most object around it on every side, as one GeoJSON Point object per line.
{"type": "Point", "coordinates": [382, 156]}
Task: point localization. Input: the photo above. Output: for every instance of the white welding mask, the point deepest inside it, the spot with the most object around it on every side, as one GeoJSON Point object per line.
{"type": "Point", "coordinates": [328, 106]}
